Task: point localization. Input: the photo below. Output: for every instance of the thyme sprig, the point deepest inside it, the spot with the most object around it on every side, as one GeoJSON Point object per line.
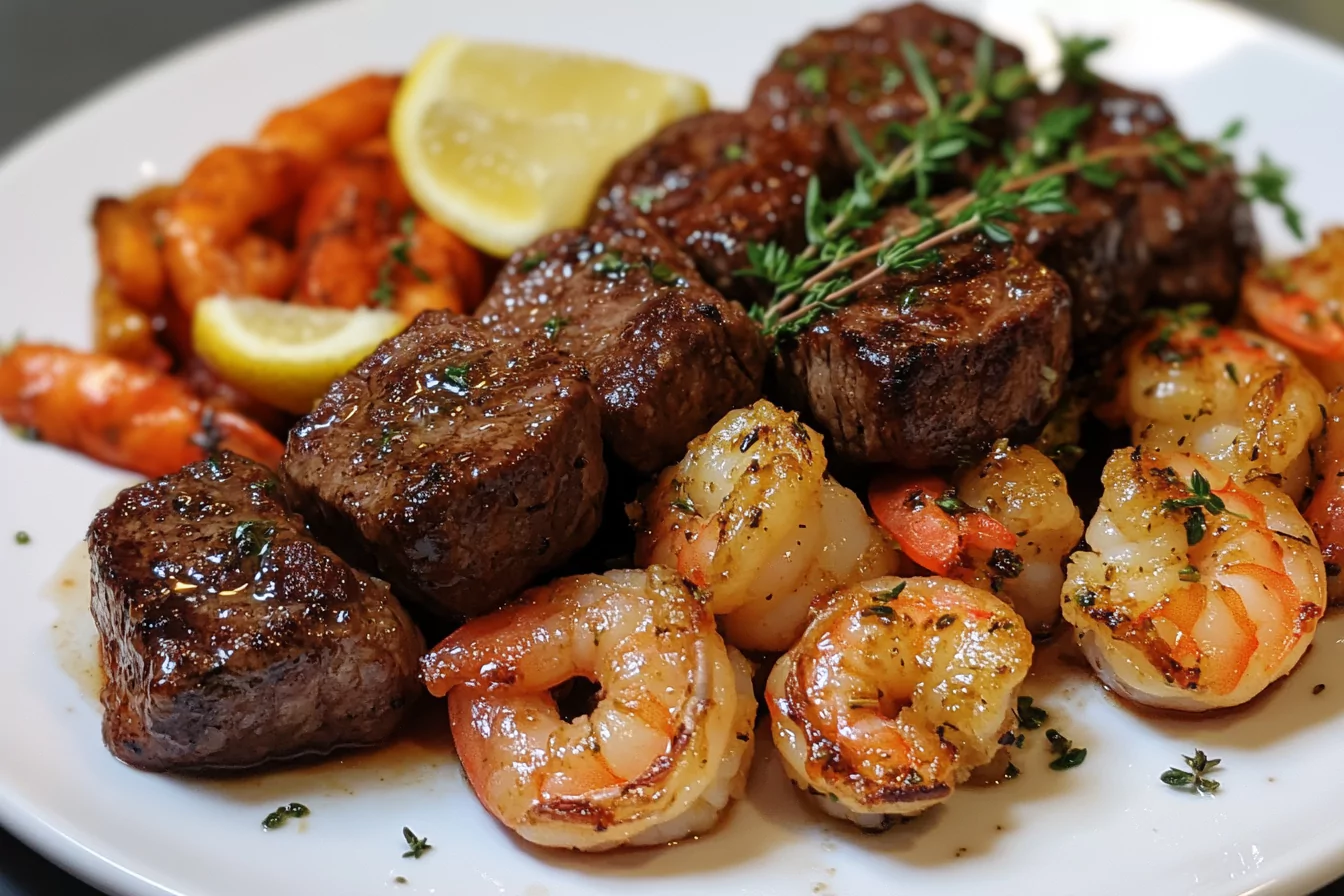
{"type": "Point", "coordinates": [932, 145]}
{"type": "Point", "coordinates": [819, 280]}
{"type": "Point", "coordinates": [1196, 778]}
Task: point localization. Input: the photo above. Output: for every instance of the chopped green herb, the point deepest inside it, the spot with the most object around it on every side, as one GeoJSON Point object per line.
{"type": "Point", "coordinates": [944, 621]}
{"type": "Point", "coordinates": [1196, 778]}
{"type": "Point", "coordinates": [643, 198]}
{"type": "Point", "coordinates": [891, 595]}
{"type": "Point", "coordinates": [1066, 754]}
{"type": "Point", "coordinates": [684, 505]}
{"type": "Point", "coordinates": [283, 814]}
{"type": "Point", "coordinates": [665, 275]}
{"type": "Point", "coordinates": [879, 610]}
{"type": "Point", "coordinates": [26, 433]}
{"type": "Point", "coordinates": [733, 152]}
{"type": "Point", "coordinates": [1201, 498]}
{"type": "Point", "coordinates": [1085, 597]}
{"type": "Point", "coordinates": [456, 377]}
{"type": "Point", "coordinates": [950, 503]}
{"type": "Point", "coordinates": [1269, 184]}
{"type": "Point", "coordinates": [418, 845]}
{"type": "Point", "coordinates": [531, 261]}
{"type": "Point", "coordinates": [1232, 372]}
{"type": "Point", "coordinates": [813, 79]}
{"type": "Point", "coordinates": [1030, 717]}
{"type": "Point", "coordinates": [22, 537]}
{"type": "Point", "coordinates": [610, 265]}
{"type": "Point", "coordinates": [253, 538]}
{"type": "Point", "coordinates": [1189, 574]}
{"type": "Point", "coordinates": [1011, 772]}
{"type": "Point", "coordinates": [892, 76]}
{"type": "Point", "coordinates": [1006, 563]}
{"type": "Point", "coordinates": [553, 326]}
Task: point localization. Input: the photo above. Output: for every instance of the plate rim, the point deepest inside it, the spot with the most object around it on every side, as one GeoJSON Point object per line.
{"type": "Point", "coordinates": [29, 824]}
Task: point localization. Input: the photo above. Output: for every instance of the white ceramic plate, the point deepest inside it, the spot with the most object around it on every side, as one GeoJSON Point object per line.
{"type": "Point", "coordinates": [1108, 826]}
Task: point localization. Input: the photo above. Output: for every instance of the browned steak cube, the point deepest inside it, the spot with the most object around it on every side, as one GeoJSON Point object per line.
{"type": "Point", "coordinates": [1146, 239]}
{"type": "Point", "coordinates": [716, 182]}
{"type": "Point", "coordinates": [462, 465]}
{"type": "Point", "coordinates": [229, 636]}
{"type": "Point", "coordinates": [924, 370]}
{"type": "Point", "coordinates": [857, 75]}
{"type": "Point", "coordinates": [668, 354]}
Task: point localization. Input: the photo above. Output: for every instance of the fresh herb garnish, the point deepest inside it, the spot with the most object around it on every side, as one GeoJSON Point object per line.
{"type": "Point", "coordinates": [1268, 183]}
{"type": "Point", "coordinates": [1007, 564]}
{"type": "Point", "coordinates": [948, 502]}
{"type": "Point", "coordinates": [1201, 499]}
{"type": "Point", "coordinates": [1075, 51]}
{"type": "Point", "coordinates": [643, 198]}
{"type": "Point", "coordinates": [283, 814]}
{"type": "Point", "coordinates": [813, 79]}
{"type": "Point", "coordinates": [892, 76]}
{"type": "Point", "coordinates": [531, 261]}
{"type": "Point", "coordinates": [881, 610]}
{"type": "Point", "coordinates": [664, 274]}
{"type": "Point", "coordinates": [1232, 372]}
{"type": "Point", "coordinates": [1066, 754]}
{"type": "Point", "coordinates": [553, 326]}
{"type": "Point", "coordinates": [22, 537]}
{"type": "Point", "coordinates": [685, 505]}
{"type": "Point", "coordinates": [610, 265]}
{"type": "Point", "coordinates": [886, 596]}
{"type": "Point", "coordinates": [1188, 574]}
{"type": "Point", "coordinates": [1196, 778]}
{"type": "Point", "coordinates": [1030, 717]}
{"type": "Point", "coordinates": [398, 253]}
{"type": "Point", "coordinates": [734, 152]}
{"type": "Point", "coordinates": [418, 845]}
{"type": "Point", "coordinates": [253, 538]}
{"type": "Point", "coordinates": [456, 377]}
{"type": "Point", "coordinates": [1011, 772]}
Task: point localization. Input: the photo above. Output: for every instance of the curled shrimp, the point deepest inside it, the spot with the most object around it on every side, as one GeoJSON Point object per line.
{"type": "Point", "coordinates": [664, 749]}
{"type": "Point", "coordinates": [120, 413]}
{"type": "Point", "coordinates": [131, 281]}
{"type": "Point", "coordinates": [750, 518]}
{"type": "Point", "coordinates": [1195, 592]}
{"type": "Point", "coordinates": [361, 242]}
{"type": "Point", "coordinates": [1300, 302]}
{"type": "Point", "coordinates": [1240, 399]}
{"type": "Point", "coordinates": [1325, 511]}
{"type": "Point", "coordinates": [1006, 523]}
{"type": "Point", "coordinates": [896, 692]}
{"type": "Point", "coordinates": [210, 246]}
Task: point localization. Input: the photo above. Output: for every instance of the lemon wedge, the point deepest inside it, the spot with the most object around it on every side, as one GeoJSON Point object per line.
{"type": "Point", "coordinates": [286, 355]}
{"type": "Point", "coordinates": [502, 143]}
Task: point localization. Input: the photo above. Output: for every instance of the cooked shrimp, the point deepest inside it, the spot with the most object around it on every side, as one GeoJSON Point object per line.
{"type": "Point", "coordinates": [1243, 401]}
{"type": "Point", "coordinates": [362, 242]}
{"type": "Point", "coordinates": [1195, 592]}
{"type": "Point", "coordinates": [123, 414]}
{"type": "Point", "coordinates": [232, 188]}
{"type": "Point", "coordinates": [1006, 523]}
{"type": "Point", "coordinates": [1300, 302]}
{"type": "Point", "coordinates": [128, 251]}
{"type": "Point", "coordinates": [667, 745]}
{"type": "Point", "coordinates": [897, 691]}
{"type": "Point", "coordinates": [750, 518]}
{"type": "Point", "coordinates": [1325, 512]}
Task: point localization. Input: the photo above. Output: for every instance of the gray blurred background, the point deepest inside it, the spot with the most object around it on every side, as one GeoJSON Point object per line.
{"type": "Point", "coordinates": [55, 52]}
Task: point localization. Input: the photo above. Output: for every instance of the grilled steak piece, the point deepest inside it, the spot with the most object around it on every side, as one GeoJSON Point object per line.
{"type": "Point", "coordinates": [229, 636]}
{"type": "Point", "coordinates": [924, 370]}
{"type": "Point", "coordinates": [1146, 239]}
{"type": "Point", "coordinates": [857, 75]}
{"type": "Point", "coordinates": [462, 465]}
{"type": "Point", "coordinates": [667, 353]}
{"type": "Point", "coordinates": [715, 182]}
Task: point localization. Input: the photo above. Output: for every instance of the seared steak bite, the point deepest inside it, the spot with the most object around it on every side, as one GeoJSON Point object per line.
{"type": "Point", "coordinates": [229, 636]}
{"type": "Point", "coordinates": [1145, 239]}
{"type": "Point", "coordinates": [924, 370]}
{"type": "Point", "coordinates": [461, 464]}
{"type": "Point", "coordinates": [857, 75]}
{"type": "Point", "coordinates": [668, 354]}
{"type": "Point", "coordinates": [715, 182]}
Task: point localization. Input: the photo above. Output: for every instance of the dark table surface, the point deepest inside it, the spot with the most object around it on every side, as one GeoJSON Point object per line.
{"type": "Point", "coordinates": [53, 52]}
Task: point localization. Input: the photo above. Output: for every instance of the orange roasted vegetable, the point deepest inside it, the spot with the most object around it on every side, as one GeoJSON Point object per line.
{"type": "Point", "coordinates": [361, 242]}
{"type": "Point", "coordinates": [233, 188]}
{"type": "Point", "coordinates": [121, 413]}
